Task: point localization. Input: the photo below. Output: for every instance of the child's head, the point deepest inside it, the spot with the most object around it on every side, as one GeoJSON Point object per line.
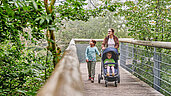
{"type": "Point", "coordinates": [92, 42]}
{"type": "Point", "coordinates": [109, 55]}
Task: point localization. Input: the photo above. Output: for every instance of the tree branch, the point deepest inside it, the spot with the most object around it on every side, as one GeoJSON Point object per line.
{"type": "Point", "coordinates": [51, 4]}
{"type": "Point", "coordinates": [93, 4]}
{"type": "Point", "coordinates": [46, 5]}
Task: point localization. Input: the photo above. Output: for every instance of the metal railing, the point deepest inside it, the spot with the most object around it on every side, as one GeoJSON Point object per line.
{"type": "Point", "coordinates": [149, 64]}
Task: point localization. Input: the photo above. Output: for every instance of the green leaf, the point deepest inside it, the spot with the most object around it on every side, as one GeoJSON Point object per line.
{"type": "Point", "coordinates": [52, 29]}
{"type": "Point", "coordinates": [34, 4]}
{"type": "Point", "coordinates": [37, 19]}
{"type": "Point", "coordinates": [21, 91]}
{"type": "Point", "coordinates": [106, 2]}
{"type": "Point", "coordinates": [47, 19]}
{"type": "Point", "coordinates": [41, 21]}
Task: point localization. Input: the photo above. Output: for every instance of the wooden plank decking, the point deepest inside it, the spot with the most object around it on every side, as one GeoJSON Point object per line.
{"type": "Point", "coordinates": [129, 85]}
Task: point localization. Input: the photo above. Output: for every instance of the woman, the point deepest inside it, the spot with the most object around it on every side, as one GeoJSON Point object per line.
{"type": "Point", "coordinates": [111, 40]}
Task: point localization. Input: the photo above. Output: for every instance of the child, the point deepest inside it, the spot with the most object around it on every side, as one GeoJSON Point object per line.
{"type": "Point", "coordinates": [109, 60]}
{"type": "Point", "coordinates": [90, 54]}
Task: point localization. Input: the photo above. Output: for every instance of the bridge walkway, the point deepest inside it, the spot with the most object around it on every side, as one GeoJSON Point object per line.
{"type": "Point", "coordinates": [129, 85]}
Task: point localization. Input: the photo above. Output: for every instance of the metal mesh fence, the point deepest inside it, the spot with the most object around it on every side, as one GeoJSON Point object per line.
{"type": "Point", "coordinates": [148, 64]}
{"type": "Point", "coordinates": [81, 52]}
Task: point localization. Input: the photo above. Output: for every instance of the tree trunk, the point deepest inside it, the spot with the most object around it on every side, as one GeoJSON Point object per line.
{"type": "Point", "coordinates": [50, 35]}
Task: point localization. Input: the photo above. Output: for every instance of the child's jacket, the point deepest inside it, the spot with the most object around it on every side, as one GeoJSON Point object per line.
{"type": "Point", "coordinates": [109, 61]}
{"type": "Point", "coordinates": [90, 53]}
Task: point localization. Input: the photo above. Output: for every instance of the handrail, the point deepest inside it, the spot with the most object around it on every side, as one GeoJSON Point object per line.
{"type": "Point", "coordinates": [158, 44]}
{"type": "Point", "coordinates": [66, 77]}
{"type": "Point", "coordinates": [87, 40]}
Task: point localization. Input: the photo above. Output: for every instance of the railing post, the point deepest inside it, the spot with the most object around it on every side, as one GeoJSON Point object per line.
{"type": "Point", "coordinates": [127, 51]}
{"type": "Point", "coordinates": [122, 55]}
{"type": "Point", "coordinates": [134, 59]}
{"type": "Point", "coordinates": [156, 71]}
{"type": "Point", "coordinates": [133, 51]}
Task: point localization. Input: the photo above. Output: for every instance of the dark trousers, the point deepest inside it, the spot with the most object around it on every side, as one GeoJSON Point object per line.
{"type": "Point", "coordinates": [91, 68]}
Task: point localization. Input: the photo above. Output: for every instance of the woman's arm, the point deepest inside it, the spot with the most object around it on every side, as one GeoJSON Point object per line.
{"type": "Point", "coordinates": [116, 42]}
{"type": "Point", "coordinates": [103, 44]}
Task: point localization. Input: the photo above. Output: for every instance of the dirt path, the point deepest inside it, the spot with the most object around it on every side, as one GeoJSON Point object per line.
{"type": "Point", "coordinates": [129, 86]}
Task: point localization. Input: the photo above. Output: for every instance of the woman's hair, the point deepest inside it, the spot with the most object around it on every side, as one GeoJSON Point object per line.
{"type": "Point", "coordinates": [112, 30]}
{"type": "Point", "coordinates": [94, 41]}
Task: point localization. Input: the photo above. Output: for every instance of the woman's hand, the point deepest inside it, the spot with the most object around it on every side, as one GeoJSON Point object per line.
{"type": "Point", "coordinates": [103, 48]}
{"type": "Point", "coordinates": [116, 47]}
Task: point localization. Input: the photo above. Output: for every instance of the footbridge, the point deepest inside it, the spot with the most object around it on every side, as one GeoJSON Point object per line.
{"type": "Point", "coordinates": [145, 70]}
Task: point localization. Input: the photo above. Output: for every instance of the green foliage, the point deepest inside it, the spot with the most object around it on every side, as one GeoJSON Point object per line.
{"type": "Point", "coordinates": [21, 72]}
{"type": "Point", "coordinates": [72, 10]}
{"type": "Point", "coordinates": [95, 28]}
{"type": "Point", "coordinates": [18, 15]}
{"type": "Point", "coordinates": [147, 19]}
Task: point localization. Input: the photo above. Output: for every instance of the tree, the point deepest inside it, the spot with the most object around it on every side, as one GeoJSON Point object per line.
{"type": "Point", "coordinates": [20, 70]}
{"type": "Point", "coordinates": [20, 67]}
{"type": "Point", "coordinates": [147, 19]}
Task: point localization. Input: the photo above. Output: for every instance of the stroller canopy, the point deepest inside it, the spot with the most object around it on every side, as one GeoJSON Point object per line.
{"type": "Point", "coordinates": [114, 52]}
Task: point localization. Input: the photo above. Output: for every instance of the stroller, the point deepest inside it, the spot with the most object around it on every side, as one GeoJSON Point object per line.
{"type": "Point", "coordinates": [110, 78]}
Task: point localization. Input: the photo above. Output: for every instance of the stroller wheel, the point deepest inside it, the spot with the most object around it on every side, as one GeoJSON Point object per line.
{"type": "Point", "coordinates": [115, 84]}
{"type": "Point", "coordinates": [99, 78]}
{"type": "Point", "coordinates": [119, 79]}
{"type": "Point", "coordinates": [106, 83]}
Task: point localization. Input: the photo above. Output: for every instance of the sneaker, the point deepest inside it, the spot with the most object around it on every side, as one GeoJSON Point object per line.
{"type": "Point", "coordinates": [89, 78]}
{"type": "Point", "coordinates": [107, 74]}
{"type": "Point", "coordinates": [113, 74]}
{"type": "Point", "coordinates": [92, 80]}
